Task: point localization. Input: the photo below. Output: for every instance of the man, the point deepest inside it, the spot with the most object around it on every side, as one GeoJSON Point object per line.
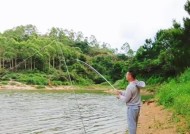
{"type": "Point", "coordinates": [133, 100]}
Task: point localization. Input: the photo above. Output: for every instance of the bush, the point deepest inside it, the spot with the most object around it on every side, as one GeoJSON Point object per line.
{"type": "Point", "coordinates": [121, 84]}
{"type": "Point", "coordinates": [185, 77]}
{"type": "Point", "coordinates": [36, 81]}
{"type": "Point", "coordinates": [166, 94]}
{"type": "Point", "coordinates": [154, 80]}
{"type": "Point", "coordinates": [33, 79]}
{"type": "Point", "coordinates": [4, 82]}
{"type": "Point", "coordinates": [57, 83]}
{"type": "Point", "coordinates": [84, 82]}
{"type": "Point", "coordinates": [9, 76]}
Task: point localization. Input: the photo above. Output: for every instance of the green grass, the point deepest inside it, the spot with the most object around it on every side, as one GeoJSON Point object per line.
{"type": "Point", "coordinates": [176, 95]}
{"type": "Point", "coordinates": [4, 82]}
{"type": "Point", "coordinates": [147, 97]}
{"type": "Point", "coordinates": [41, 78]}
{"type": "Point", "coordinates": [31, 78]}
{"type": "Point", "coordinates": [121, 84]}
{"type": "Point", "coordinates": [154, 80]}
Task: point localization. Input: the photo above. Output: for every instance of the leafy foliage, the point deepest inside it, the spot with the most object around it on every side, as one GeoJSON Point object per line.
{"type": "Point", "coordinates": [41, 57]}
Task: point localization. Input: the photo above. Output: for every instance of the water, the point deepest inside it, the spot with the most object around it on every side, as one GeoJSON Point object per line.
{"type": "Point", "coordinates": [33, 112]}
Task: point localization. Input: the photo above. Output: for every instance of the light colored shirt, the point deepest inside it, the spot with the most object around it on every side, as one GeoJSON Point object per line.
{"type": "Point", "coordinates": [132, 95]}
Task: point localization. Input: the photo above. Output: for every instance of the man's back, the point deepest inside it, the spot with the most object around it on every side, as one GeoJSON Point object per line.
{"type": "Point", "coordinates": [134, 92]}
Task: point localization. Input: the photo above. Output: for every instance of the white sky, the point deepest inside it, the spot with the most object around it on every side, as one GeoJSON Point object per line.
{"type": "Point", "coordinates": [111, 21]}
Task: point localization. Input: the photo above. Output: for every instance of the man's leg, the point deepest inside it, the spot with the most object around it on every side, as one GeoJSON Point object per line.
{"type": "Point", "coordinates": [132, 116]}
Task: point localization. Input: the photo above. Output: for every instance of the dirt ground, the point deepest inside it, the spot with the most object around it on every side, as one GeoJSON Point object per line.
{"type": "Point", "coordinates": [154, 119]}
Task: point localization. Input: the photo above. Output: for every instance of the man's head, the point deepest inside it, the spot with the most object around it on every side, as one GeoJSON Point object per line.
{"type": "Point", "coordinates": [130, 76]}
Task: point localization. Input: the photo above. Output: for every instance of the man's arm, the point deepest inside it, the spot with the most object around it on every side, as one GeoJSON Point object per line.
{"type": "Point", "coordinates": [125, 96]}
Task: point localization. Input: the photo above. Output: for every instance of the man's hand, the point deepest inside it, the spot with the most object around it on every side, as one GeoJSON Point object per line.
{"type": "Point", "coordinates": [118, 96]}
{"type": "Point", "coordinates": [115, 92]}
{"type": "Point", "coordinates": [118, 92]}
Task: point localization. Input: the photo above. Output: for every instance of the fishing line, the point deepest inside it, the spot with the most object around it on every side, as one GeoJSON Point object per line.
{"type": "Point", "coordinates": [97, 73]}
{"type": "Point", "coordinates": [71, 83]}
{"type": "Point", "coordinates": [114, 89]}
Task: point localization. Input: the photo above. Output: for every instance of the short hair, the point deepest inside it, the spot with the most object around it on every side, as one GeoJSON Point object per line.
{"type": "Point", "coordinates": [132, 73]}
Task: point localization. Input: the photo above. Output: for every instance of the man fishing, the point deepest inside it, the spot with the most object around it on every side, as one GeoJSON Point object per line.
{"type": "Point", "coordinates": [132, 99]}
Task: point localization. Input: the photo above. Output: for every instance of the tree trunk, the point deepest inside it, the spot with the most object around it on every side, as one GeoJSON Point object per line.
{"type": "Point", "coordinates": [53, 62]}
{"type": "Point", "coordinates": [49, 62]}
{"type": "Point", "coordinates": [59, 63]}
{"type": "Point", "coordinates": [34, 64]}
{"type": "Point", "coordinates": [12, 63]}
{"type": "Point", "coordinates": [0, 62]}
{"type": "Point", "coordinates": [31, 63]}
{"type": "Point", "coordinates": [3, 62]}
{"type": "Point", "coordinates": [16, 64]}
{"type": "Point", "coordinates": [25, 64]}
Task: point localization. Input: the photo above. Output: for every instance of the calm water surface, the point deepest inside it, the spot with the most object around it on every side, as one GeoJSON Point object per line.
{"type": "Point", "coordinates": [33, 112]}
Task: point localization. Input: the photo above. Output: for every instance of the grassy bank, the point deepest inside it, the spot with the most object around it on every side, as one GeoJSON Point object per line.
{"type": "Point", "coordinates": [176, 96]}
{"type": "Point", "coordinates": [55, 78]}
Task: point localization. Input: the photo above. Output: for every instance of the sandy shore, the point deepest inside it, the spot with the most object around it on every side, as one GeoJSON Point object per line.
{"type": "Point", "coordinates": [14, 85]}
{"type": "Point", "coordinates": [155, 119]}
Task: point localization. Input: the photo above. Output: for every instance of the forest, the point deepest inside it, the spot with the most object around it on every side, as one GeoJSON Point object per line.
{"type": "Point", "coordinates": [27, 56]}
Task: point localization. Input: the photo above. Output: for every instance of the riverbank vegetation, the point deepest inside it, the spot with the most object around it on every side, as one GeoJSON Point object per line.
{"type": "Point", "coordinates": [176, 95]}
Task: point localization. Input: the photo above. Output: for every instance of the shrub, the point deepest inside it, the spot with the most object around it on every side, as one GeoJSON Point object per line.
{"type": "Point", "coordinates": [185, 77]}
{"type": "Point", "coordinates": [154, 80]}
{"type": "Point", "coordinates": [121, 84]}
{"type": "Point", "coordinates": [4, 82]}
{"type": "Point", "coordinates": [84, 82]}
{"type": "Point", "coordinates": [9, 76]}
{"type": "Point", "coordinates": [33, 79]}
{"type": "Point", "coordinates": [57, 83]}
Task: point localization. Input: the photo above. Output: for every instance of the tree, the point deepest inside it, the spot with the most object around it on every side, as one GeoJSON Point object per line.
{"type": "Point", "coordinates": [127, 50]}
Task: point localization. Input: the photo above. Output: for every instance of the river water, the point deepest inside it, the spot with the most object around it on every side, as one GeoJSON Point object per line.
{"type": "Point", "coordinates": [34, 112]}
